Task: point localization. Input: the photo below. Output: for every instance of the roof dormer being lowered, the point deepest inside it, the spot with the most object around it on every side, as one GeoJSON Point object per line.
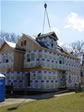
{"type": "Point", "coordinates": [50, 34]}
{"type": "Point", "coordinates": [49, 40]}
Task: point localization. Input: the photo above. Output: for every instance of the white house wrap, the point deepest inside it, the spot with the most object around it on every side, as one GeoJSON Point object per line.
{"type": "Point", "coordinates": [39, 64]}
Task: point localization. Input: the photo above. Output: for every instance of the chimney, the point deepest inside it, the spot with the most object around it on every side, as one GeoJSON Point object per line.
{"type": "Point", "coordinates": [83, 60]}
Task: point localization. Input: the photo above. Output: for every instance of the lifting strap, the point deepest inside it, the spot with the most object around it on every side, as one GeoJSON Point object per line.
{"type": "Point", "coordinates": [46, 15]}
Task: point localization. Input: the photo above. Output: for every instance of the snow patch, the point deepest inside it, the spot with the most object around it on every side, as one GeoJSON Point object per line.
{"type": "Point", "coordinates": [11, 44]}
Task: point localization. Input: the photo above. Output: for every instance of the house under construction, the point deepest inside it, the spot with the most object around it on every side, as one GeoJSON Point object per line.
{"type": "Point", "coordinates": [39, 64]}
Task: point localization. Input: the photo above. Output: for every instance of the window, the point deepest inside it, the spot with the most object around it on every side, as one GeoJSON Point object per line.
{"type": "Point", "coordinates": [60, 62]}
{"type": "Point", "coordinates": [49, 77]}
{"type": "Point", "coordinates": [3, 59]}
{"type": "Point", "coordinates": [28, 60]}
{"type": "Point", "coordinates": [69, 79]}
{"type": "Point", "coordinates": [54, 58]}
{"type": "Point", "coordinates": [40, 55]}
{"type": "Point", "coordinates": [21, 43]}
{"type": "Point", "coordinates": [50, 57]}
{"type": "Point", "coordinates": [45, 42]}
{"type": "Point", "coordinates": [51, 44]}
{"type": "Point", "coordinates": [47, 85]}
{"type": "Point", "coordinates": [45, 56]}
{"type": "Point", "coordinates": [24, 42]}
{"type": "Point", "coordinates": [18, 78]}
{"type": "Point", "coordinates": [8, 77]}
{"type": "Point", "coordinates": [32, 57]}
{"type": "Point", "coordinates": [34, 76]}
{"type": "Point", "coordinates": [45, 77]}
{"type": "Point", "coordinates": [28, 57]}
{"type": "Point", "coordinates": [6, 60]}
{"type": "Point", "coordinates": [39, 77]}
{"type": "Point", "coordinates": [12, 77]}
{"type": "Point", "coordinates": [54, 77]}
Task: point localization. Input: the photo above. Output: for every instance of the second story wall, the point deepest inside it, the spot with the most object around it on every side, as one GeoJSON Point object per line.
{"type": "Point", "coordinates": [6, 58]}
{"type": "Point", "coordinates": [48, 59]}
{"type": "Point", "coordinates": [54, 60]}
{"type": "Point", "coordinates": [18, 61]}
{"type": "Point", "coordinates": [31, 59]}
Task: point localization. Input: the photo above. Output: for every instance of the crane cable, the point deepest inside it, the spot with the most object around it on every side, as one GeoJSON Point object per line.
{"type": "Point", "coordinates": [43, 22]}
{"type": "Point", "coordinates": [46, 14]}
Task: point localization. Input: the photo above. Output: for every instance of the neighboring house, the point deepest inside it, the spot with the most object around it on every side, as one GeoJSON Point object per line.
{"type": "Point", "coordinates": [39, 64]}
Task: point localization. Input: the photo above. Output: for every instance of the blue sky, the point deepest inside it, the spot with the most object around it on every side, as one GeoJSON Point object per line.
{"type": "Point", "coordinates": [24, 16]}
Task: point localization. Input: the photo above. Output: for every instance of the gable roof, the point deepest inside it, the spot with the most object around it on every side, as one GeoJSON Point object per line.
{"type": "Point", "coordinates": [32, 39]}
{"type": "Point", "coordinates": [50, 34]}
{"type": "Point", "coordinates": [10, 44]}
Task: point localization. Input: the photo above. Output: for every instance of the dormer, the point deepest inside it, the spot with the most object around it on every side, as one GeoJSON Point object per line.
{"type": "Point", "coordinates": [49, 40]}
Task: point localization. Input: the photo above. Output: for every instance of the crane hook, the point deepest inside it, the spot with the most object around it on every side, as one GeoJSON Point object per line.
{"type": "Point", "coordinates": [45, 5]}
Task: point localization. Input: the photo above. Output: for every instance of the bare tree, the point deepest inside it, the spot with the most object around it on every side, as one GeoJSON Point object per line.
{"type": "Point", "coordinates": [78, 48]}
{"type": "Point", "coordinates": [11, 37]}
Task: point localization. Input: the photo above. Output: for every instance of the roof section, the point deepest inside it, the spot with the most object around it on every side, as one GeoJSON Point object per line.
{"type": "Point", "coordinates": [50, 34]}
{"type": "Point", "coordinates": [11, 44]}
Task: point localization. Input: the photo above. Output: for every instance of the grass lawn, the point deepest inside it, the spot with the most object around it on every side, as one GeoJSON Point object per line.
{"type": "Point", "coordinates": [68, 103]}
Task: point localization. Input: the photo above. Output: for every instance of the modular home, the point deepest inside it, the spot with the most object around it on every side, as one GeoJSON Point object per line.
{"type": "Point", "coordinates": [39, 64]}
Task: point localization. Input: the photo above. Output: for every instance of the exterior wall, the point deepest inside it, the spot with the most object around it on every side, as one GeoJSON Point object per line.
{"type": "Point", "coordinates": [82, 68]}
{"type": "Point", "coordinates": [56, 61]}
{"type": "Point", "coordinates": [38, 79]}
{"type": "Point", "coordinates": [30, 43]}
{"type": "Point", "coordinates": [12, 61]}
{"type": "Point", "coordinates": [6, 49]}
{"type": "Point", "coordinates": [18, 61]}
{"type": "Point", "coordinates": [6, 61]}
{"type": "Point", "coordinates": [31, 59]}
{"type": "Point", "coordinates": [44, 80]}
{"type": "Point", "coordinates": [6, 58]}
{"type": "Point", "coordinates": [49, 59]}
{"type": "Point", "coordinates": [53, 80]}
{"type": "Point", "coordinates": [72, 80]}
{"type": "Point", "coordinates": [17, 78]}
